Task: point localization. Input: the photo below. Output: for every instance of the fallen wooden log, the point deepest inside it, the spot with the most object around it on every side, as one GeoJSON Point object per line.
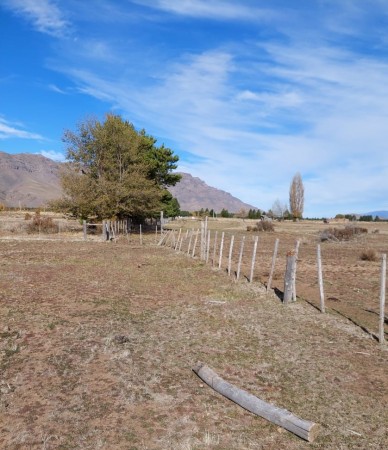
{"type": "Point", "coordinates": [302, 428]}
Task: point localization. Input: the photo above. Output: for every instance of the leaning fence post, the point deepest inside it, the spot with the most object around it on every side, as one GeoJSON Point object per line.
{"type": "Point", "coordinates": [230, 254]}
{"type": "Point", "coordinates": [221, 249]}
{"type": "Point", "coordinates": [320, 280]}
{"type": "Point", "coordinates": [84, 228]}
{"type": "Point", "coordinates": [382, 298]}
{"type": "Point", "coordinates": [275, 252]}
{"type": "Point", "coordinates": [289, 278]}
{"type": "Point", "coordinates": [240, 257]}
{"type": "Point", "coordinates": [253, 259]}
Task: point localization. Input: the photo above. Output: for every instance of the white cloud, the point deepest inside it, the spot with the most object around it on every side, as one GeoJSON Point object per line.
{"type": "Point", "coordinates": [45, 15]}
{"type": "Point", "coordinates": [9, 130]}
{"type": "Point", "coordinates": [55, 88]}
{"type": "Point", "coordinates": [52, 154]}
{"type": "Point", "coordinates": [212, 9]}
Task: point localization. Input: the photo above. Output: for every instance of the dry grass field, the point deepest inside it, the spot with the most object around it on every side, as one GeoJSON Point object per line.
{"type": "Point", "coordinates": [98, 340]}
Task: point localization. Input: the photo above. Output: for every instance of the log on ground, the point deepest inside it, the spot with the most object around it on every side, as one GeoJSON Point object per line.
{"type": "Point", "coordinates": [303, 428]}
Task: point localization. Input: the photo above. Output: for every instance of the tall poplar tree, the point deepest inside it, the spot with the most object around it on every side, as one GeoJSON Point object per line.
{"type": "Point", "coordinates": [297, 196]}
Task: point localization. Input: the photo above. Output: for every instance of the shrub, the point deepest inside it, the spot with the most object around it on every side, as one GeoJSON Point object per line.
{"type": "Point", "coordinates": [264, 225]}
{"type": "Point", "coordinates": [2, 207]}
{"type": "Point", "coordinates": [27, 216]}
{"type": "Point", "coordinates": [41, 224]}
{"type": "Point", "coordinates": [369, 255]}
{"type": "Point", "coordinates": [342, 234]}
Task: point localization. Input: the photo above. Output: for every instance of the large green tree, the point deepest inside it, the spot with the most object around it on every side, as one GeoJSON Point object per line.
{"type": "Point", "coordinates": [115, 170]}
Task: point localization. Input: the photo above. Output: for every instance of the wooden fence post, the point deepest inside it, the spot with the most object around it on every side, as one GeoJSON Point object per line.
{"type": "Point", "coordinates": [297, 243]}
{"type": "Point", "coordinates": [253, 258]}
{"type": "Point", "coordinates": [320, 280]}
{"type": "Point", "coordinates": [221, 249]}
{"type": "Point", "coordinates": [230, 254]}
{"type": "Point", "coordinates": [240, 257]}
{"type": "Point", "coordinates": [191, 238]}
{"type": "Point", "coordinates": [141, 235]}
{"type": "Point", "coordinates": [103, 231]}
{"type": "Point", "coordinates": [289, 278]}
{"type": "Point", "coordinates": [208, 246]}
{"type": "Point", "coordinates": [382, 298]}
{"type": "Point", "coordinates": [195, 243]}
{"type": "Point", "coordinates": [178, 239]}
{"type": "Point", "coordinates": [84, 229]}
{"type": "Point", "coordinates": [215, 248]}
{"type": "Point", "coordinates": [275, 252]}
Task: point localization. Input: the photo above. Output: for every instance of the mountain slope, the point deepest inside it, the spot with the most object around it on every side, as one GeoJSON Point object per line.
{"type": "Point", "coordinates": [194, 194]}
{"type": "Point", "coordinates": [28, 180]}
{"type": "Point", "coordinates": [32, 180]}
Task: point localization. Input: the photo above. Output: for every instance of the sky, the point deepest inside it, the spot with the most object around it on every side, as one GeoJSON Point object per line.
{"type": "Point", "coordinates": [247, 93]}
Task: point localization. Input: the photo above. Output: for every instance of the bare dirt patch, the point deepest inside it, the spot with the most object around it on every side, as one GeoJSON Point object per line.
{"type": "Point", "coordinates": [98, 340]}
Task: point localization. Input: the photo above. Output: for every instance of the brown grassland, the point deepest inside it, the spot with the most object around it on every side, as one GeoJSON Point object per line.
{"type": "Point", "coordinates": [98, 339]}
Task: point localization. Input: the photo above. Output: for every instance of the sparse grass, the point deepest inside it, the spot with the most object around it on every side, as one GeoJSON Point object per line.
{"type": "Point", "coordinates": [108, 334]}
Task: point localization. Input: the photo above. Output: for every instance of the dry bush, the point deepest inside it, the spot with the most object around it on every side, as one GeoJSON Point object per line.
{"type": "Point", "coordinates": [264, 225]}
{"type": "Point", "coordinates": [2, 207]}
{"type": "Point", "coordinates": [342, 234]}
{"type": "Point", "coordinates": [369, 255]}
{"type": "Point", "coordinates": [41, 224]}
{"type": "Point", "coordinates": [27, 216]}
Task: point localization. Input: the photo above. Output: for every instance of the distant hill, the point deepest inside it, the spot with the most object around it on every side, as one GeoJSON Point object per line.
{"type": "Point", "coordinates": [28, 180]}
{"type": "Point", "coordinates": [193, 194]}
{"type": "Point", "coordinates": [32, 180]}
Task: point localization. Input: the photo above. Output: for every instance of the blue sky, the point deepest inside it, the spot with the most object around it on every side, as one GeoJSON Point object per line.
{"type": "Point", "coordinates": [246, 92]}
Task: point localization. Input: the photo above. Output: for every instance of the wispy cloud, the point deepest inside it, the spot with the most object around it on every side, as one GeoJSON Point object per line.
{"type": "Point", "coordinates": [55, 88]}
{"type": "Point", "coordinates": [212, 9]}
{"type": "Point", "coordinates": [45, 15]}
{"type": "Point", "coordinates": [52, 154]}
{"type": "Point", "coordinates": [9, 130]}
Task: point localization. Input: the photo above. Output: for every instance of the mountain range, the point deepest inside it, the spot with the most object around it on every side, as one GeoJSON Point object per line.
{"type": "Point", "coordinates": [29, 180]}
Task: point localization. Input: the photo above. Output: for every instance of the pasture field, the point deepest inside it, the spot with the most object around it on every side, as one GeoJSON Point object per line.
{"type": "Point", "coordinates": [351, 285]}
{"type": "Point", "coordinates": [98, 340]}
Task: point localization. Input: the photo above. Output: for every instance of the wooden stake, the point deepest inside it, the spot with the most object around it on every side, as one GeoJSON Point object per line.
{"type": "Point", "coordinates": [253, 258]}
{"type": "Point", "coordinates": [382, 298]}
{"type": "Point", "coordinates": [84, 229]}
{"type": "Point", "coordinates": [289, 278]}
{"type": "Point", "coordinates": [215, 248]}
{"type": "Point", "coordinates": [303, 428]}
{"type": "Point", "coordinates": [221, 249]}
{"type": "Point", "coordinates": [275, 252]}
{"type": "Point", "coordinates": [191, 238]}
{"type": "Point", "coordinates": [297, 243]}
{"type": "Point", "coordinates": [208, 246]}
{"type": "Point", "coordinates": [195, 243]}
{"type": "Point", "coordinates": [230, 254]}
{"type": "Point", "coordinates": [320, 280]}
{"type": "Point", "coordinates": [240, 257]}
